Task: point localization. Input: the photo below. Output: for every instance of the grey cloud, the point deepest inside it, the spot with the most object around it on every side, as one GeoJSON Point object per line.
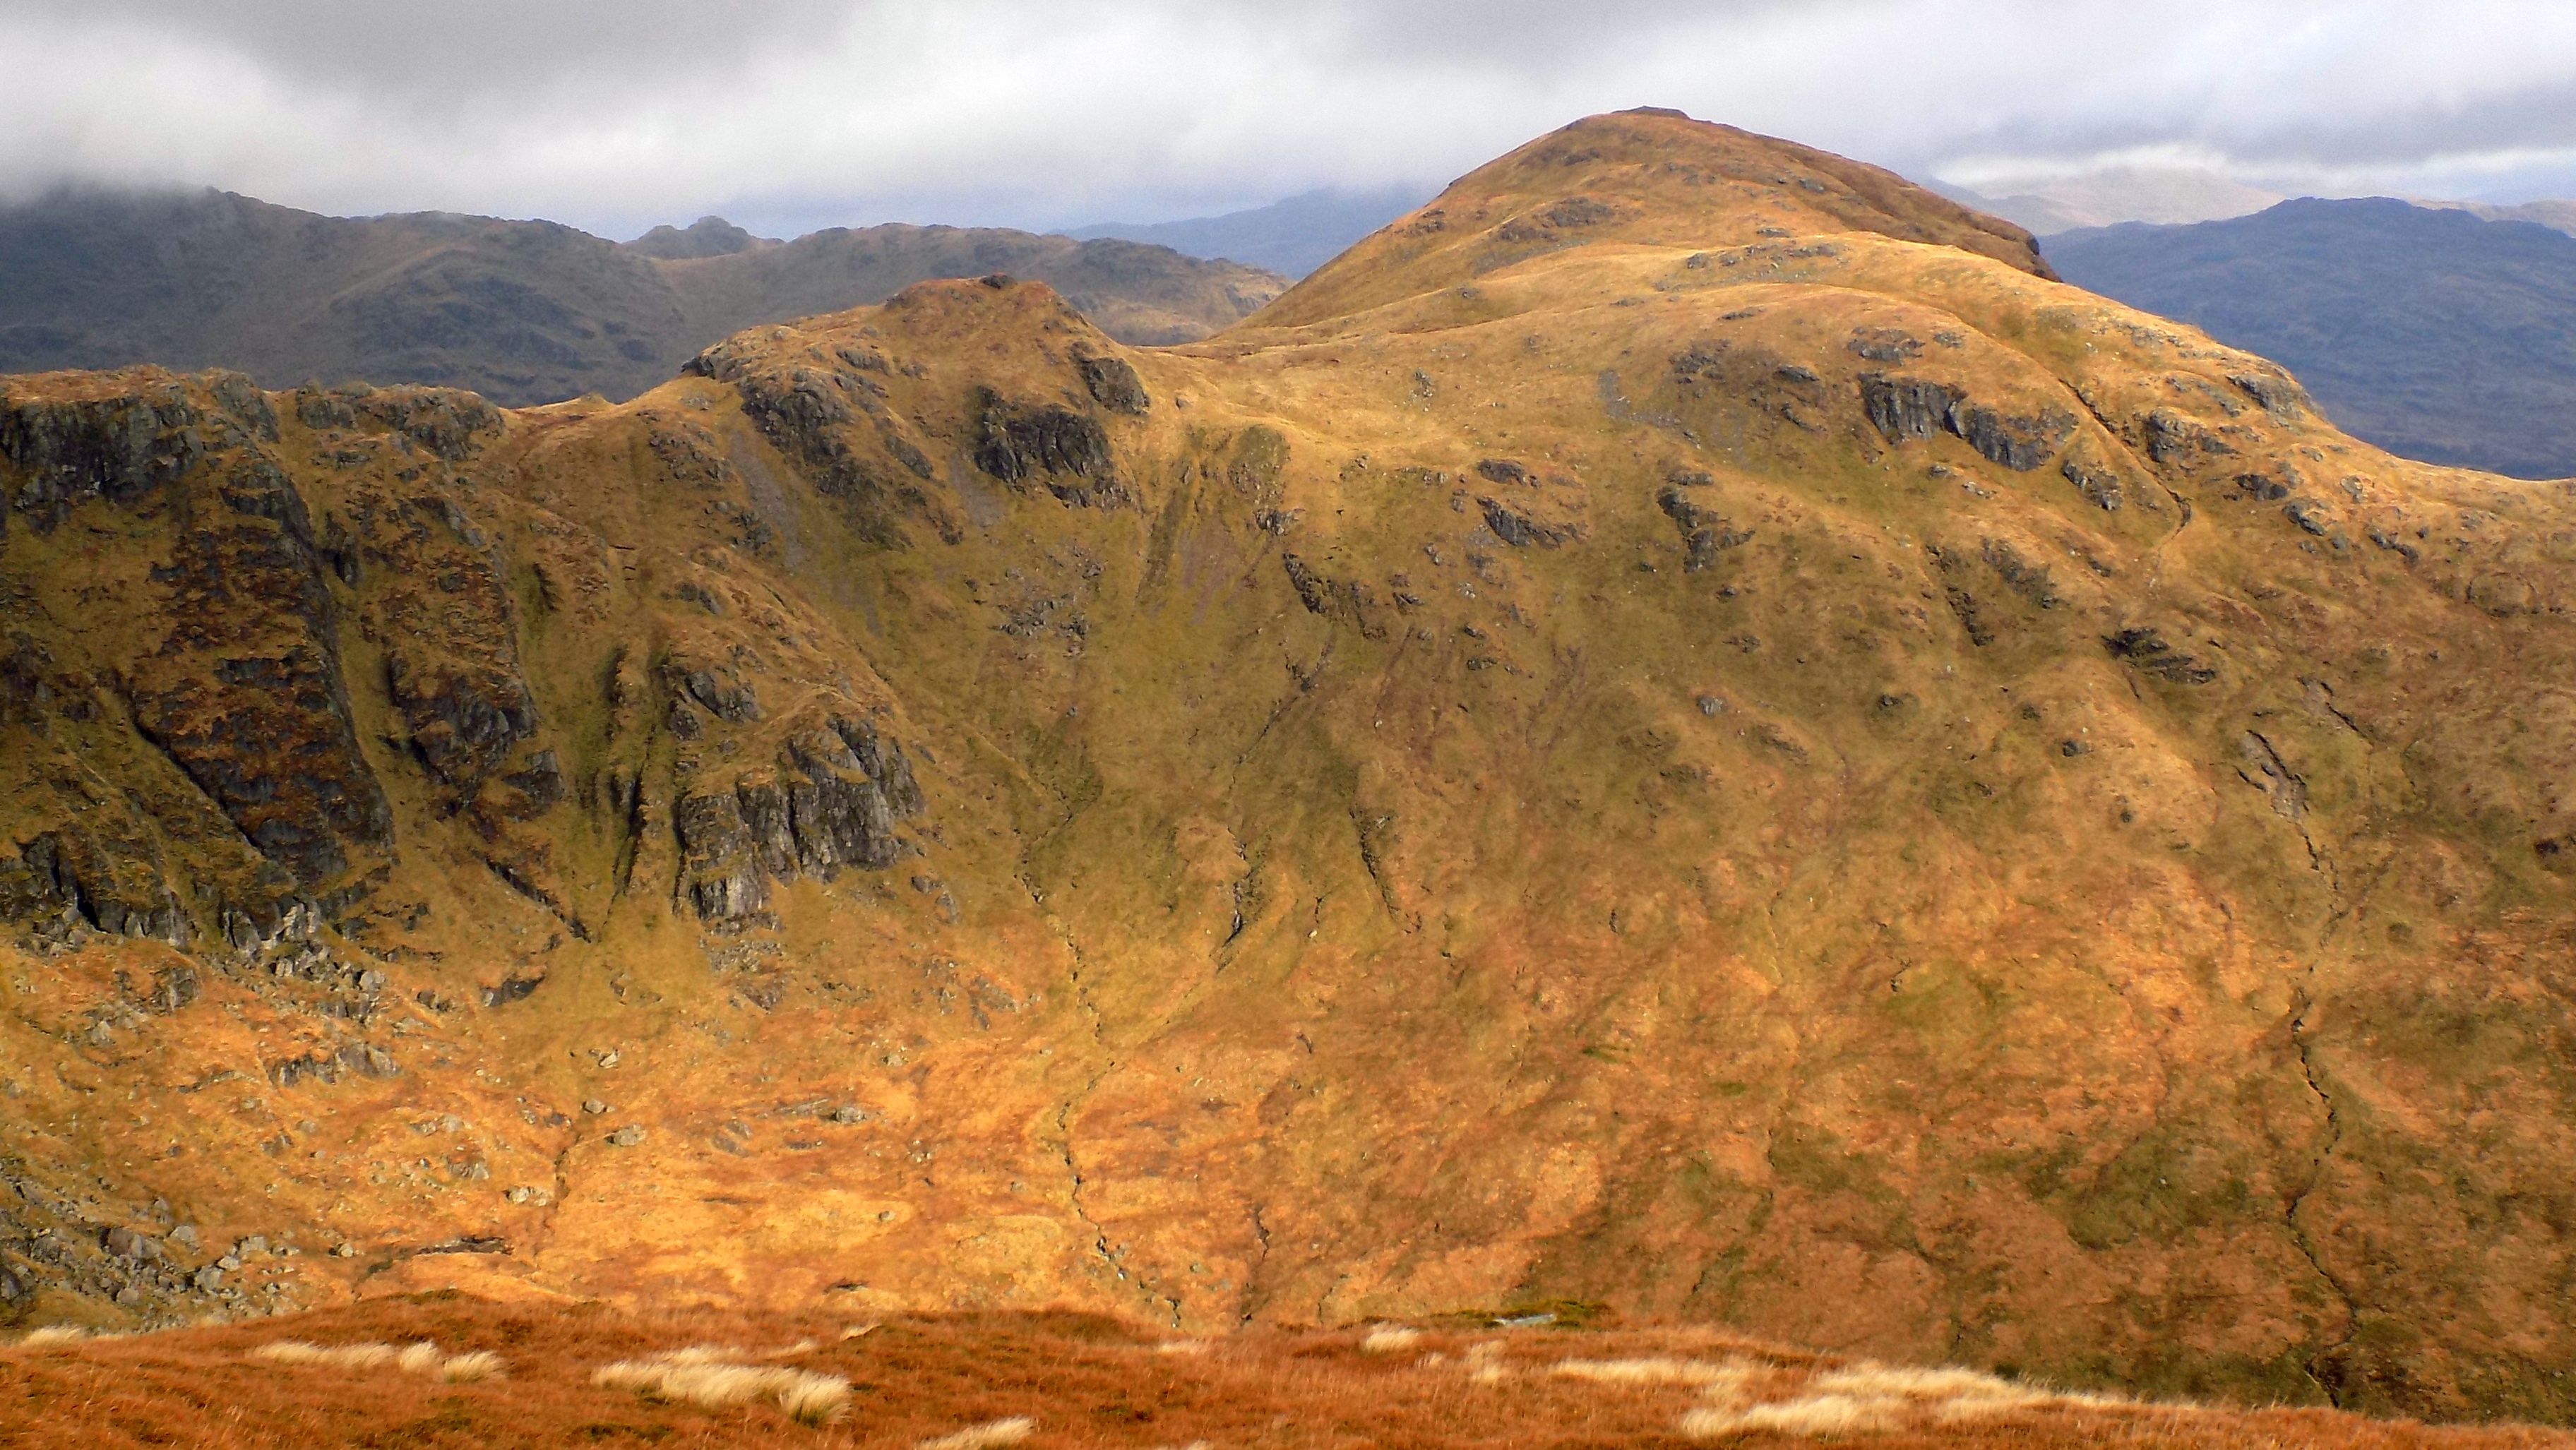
{"type": "Point", "coordinates": [806, 112]}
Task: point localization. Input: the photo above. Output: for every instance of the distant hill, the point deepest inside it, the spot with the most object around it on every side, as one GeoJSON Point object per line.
{"type": "Point", "coordinates": [708, 236]}
{"type": "Point", "coordinates": [2432, 333]}
{"type": "Point", "coordinates": [523, 312]}
{"type": "Point", "coordinates": [2558, 216]}
{"type": "Point", "coordinates": [1291, 237]}
{"type": "Point", "coordinates": [2168, 194]}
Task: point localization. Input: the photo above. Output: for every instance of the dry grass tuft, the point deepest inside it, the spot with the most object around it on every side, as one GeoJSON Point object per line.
{"type": "Point", "coordinates": [982, 1437]}
{"type": "Point", "coordinates": [420, 1357]}
{"type": "Point", "coordinates": [314, 1356]}
{"type": "Point", "coordinates": [1656, 1371]}
{"type": "Point", "coordinates": [472, 1367]}
{"type": "Point", "coordinates": [1389, 1339]}
{"type": "Point", "coordinates": [1182, 1346]}
{"type": "Point", "coordinates": [714, 1379]}
{"type": "Point", "coordinates": [1867, 1397]}
{"type": "Point", "coordinates": [53, 1334]}
{"type": "Point", "coordinates": [1895, 1382]}
{"type": "Point", "coordinates": [1485, 1363]}
{"type": "Point", "coordinates": [1811, 1415]}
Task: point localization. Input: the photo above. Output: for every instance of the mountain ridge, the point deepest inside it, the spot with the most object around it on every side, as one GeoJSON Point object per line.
{"type": "Point", "coordinates": [525, 312]}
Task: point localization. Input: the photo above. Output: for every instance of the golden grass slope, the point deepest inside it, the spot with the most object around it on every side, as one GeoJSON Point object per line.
{"type": "Point", "coordinates": [1825, 783]}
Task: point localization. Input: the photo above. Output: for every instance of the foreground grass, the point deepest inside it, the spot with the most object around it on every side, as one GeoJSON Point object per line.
{"type": "Point", "coordinates": [445, 1370]}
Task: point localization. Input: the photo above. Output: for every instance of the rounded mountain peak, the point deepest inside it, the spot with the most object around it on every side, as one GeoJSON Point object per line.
{"type": "Point", "coordinates": [1650, 176]}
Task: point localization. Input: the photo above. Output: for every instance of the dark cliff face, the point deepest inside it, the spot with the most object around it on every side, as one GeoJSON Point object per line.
{"type": "Point", "coordinates": [233, 667]}
{"type": "Point", "coordinates": [236, 678]}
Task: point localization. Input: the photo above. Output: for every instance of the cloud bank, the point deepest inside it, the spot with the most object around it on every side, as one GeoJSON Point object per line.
{"type": "Point", "coordinates": [789, 114]}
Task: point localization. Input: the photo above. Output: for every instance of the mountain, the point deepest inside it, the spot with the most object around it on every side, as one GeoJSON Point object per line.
{"type": "Point", "coordinates": [708, 236]}
{"type": "Point", "coordinates": [522, 312]}
{"type": "Point", "coordinates": [1683, 736]}
{"type": "Point", "coordinates": [2430, 333]}
{"type": "Point", "coordinates": [1291, 237]}
{"type": "Point", "coordinates": [2161, 194]}
{"type": "Point", "coordinates": [2559, 216]}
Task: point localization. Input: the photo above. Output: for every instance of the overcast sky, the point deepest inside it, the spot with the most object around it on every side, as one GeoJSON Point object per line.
{"type": "Point", "coordinates": [791, 114]}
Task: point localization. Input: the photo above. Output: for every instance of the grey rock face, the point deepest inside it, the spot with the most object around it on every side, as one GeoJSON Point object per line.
{"type": "Point", "coordinates": [1113, 384]}
{"type": "Point", "coordinates": [118, 449]}
{"type": "Point", "coordinates": [1704, 532]}
{"type": "Point", "coordinates": [833, 801]}
{"type": "Point", "coordinates": [1904, 408]}
{"type": "Point", "coordinates": [1519, 530]}
{"type": "Point", "coordinates": [133, 1245]}
{"type": "Point", "coordinates": [1068, 451]}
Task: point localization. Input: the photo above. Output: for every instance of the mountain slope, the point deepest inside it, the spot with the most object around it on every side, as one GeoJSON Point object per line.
{"type": "Point", "coordinates": [2431, 333]}
{"type": "Point", "coordinates": [524, 312]}
{"type": "Point", "coordinates": [1291, 237]}
{"type": "Point", "coordinates": [1684, 735]}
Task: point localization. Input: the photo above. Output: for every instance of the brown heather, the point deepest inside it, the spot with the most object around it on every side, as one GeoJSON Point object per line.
{"type": "Point", "coordinates": [1082, 1382]}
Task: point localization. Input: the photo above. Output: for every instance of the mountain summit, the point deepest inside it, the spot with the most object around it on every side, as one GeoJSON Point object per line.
{"type": "Point", "coordinates": [1683, 734]}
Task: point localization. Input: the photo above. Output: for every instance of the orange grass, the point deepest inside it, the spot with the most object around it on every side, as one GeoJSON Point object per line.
{"type": "Point", "coordinates": [1079, 1381]}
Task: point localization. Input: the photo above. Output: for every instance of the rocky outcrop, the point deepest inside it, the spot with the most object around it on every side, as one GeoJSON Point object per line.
{"type": "Point", "coordinates": [1904, 409]}
{"type": "Point", "coordinates": [1704, 531]}
{"type": "Point", "coordinates": [450, 424]}
{"type": "Point", "coordinates": [67, 874]}
{"type": "Point", "coordinates": [1051, 443]}
{"type": "Point", "coordinates": [1520, 530]}
{"type": "Point", "coordinates": [249, 702]}
{"type": "Point", "coordinates": [123, 446]}
{"type": "Point", "coordinates": [833, 801]}
{"type": "Point", "coordinates": [808, 413]}
{"type": "Point", "coordinates": [1113, 384]}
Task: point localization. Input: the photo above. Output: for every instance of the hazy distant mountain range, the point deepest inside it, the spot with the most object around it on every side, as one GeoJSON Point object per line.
{"type": "Point", "coordinates": [2120, 194]}
{"type": "Point", "coordinates": [2434, 333]}
{"type": "Point", "coordinates": [1291, 237]}
{"type": "Point", "coordinates": [521, 311]}
{"type": "Point", "coordinates": [2174, 195]}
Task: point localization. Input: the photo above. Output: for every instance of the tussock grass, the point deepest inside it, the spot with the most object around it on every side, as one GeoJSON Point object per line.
{"type": "Point", "coordinates": [715, 1378]}
{"type": "Point", "coordinates": [1485, 1363]}
{"type": "Point", "coordinates": [53, 1334]}
{"type": "Point", "coordinates": [983, 1437]}
{"type": "Point", "coordinates": [1182, 1346]}
{"type": "Point", "coordinates": [1812, 1415]}
{"type": "Point", "coordinates": [314, 1356]}
{"type": "Point", "coordinates": [1869, 1397]}
{"type": "Point", "coordinates": [1390, 1339]}
{"type": "Point", "coordinates": [420, 1357]}
{"type": "Point", "coordinates": [472, 1367]}
{"type": "Point", "coordinates": [1897, 1382]}
{"type": "Point", "coordinates": [1659, 1370]}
